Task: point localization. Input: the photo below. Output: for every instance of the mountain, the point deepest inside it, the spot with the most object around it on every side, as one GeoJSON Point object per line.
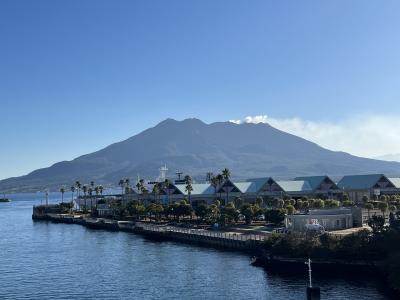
{"type": "Point", "coordinates": [390, 157]}
{"type": "Point", "coordinates": [193, 147]}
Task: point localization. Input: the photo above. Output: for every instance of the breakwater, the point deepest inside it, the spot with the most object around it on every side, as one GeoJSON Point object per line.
{"type": "Point", "coordinates": [227, 240]}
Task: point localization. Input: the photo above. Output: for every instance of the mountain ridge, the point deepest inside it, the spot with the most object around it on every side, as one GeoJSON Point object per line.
{"type": "Point", "coordinates": [194, 147]}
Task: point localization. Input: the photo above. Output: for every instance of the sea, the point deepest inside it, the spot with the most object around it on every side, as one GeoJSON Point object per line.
{"type": "Point", "coordinates": [43, 260]}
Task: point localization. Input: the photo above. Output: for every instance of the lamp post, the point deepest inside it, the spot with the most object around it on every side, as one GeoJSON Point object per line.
{"type": "Point", "coordinates": [312, 293]}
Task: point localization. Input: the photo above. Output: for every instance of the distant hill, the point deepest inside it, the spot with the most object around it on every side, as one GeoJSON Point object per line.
{"type": "Point", "coordinates": [390, 157]}
{"type": "Point", "coordinates": [193, 147]}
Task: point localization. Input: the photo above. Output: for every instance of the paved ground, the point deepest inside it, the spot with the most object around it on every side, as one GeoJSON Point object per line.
{"type": "Point", "coordinates": [349, 230]}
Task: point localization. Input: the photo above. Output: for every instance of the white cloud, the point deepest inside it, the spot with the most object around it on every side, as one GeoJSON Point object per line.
{"type": "Point", "coordinates": [367, 135]}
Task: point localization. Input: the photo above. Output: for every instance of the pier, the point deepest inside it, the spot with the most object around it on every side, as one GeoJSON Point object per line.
{"type": "Point", "coordinates": [216, 238]}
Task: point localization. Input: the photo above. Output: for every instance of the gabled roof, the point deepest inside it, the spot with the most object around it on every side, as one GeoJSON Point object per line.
{"type": "Point", "coordinates": [259, 182]}
{"type": "Point", "coordinates": [225, 184]}
{"type": "Point", "coordinates": [246, 187]}
{"type": "Point", "coordinates": [315, 181]}
{"type": "Point", "coordinates": [359, 182]}
{"type": "Point", "coordinates": [198, 189]}
{"type": "Point", "coordinates": [395, 181]}
{"type": "Point", "coordinates": [294, 185]}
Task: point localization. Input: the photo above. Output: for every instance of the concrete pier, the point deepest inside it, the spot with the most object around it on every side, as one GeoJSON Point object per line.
{"type": "Point", "coordinates": [227, 240]}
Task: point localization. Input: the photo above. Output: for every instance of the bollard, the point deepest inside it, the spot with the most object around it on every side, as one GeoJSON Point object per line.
{"type": "Point", "coordinates": [313, 293]}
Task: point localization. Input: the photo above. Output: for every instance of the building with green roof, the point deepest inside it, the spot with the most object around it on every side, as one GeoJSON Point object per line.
{"type": "Point", "coordinates": [371, 185]}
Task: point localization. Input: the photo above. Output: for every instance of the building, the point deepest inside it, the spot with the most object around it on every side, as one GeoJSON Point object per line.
{"type": "Point", "coordinates": [362, 215]}
{"type": "Point", "coordinates": [358, 186]}
{"type": "Point", "coordinates": [322, 186]}
{"type": "Point", "coordinates": [329, 219]}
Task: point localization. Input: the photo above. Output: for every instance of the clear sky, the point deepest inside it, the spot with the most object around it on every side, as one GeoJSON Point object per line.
{"type": "Point", "coordinates": [78, 75]}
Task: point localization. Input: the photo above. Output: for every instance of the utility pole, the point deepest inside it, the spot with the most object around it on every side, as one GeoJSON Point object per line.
{"type": "Point", "coordinates": [312, 293]}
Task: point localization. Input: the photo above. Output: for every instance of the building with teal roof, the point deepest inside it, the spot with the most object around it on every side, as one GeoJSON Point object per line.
{"type": "Point", "coordinates": [371, 186]}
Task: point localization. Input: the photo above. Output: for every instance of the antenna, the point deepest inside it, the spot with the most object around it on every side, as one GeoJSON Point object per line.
{"type": "Point", "coordinates": [179, 174]}
{"type": "Point", "coordinates": [309, 271]}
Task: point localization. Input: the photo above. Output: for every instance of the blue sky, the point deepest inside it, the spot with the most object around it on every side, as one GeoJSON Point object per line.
{"type": "Point", "coordinates": [78, 75]}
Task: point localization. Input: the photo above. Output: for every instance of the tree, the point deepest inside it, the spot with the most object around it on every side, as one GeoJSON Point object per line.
{"type": "Point", "coordinates": [377, 223]}
{"type": "Point", "coordinates": [167, 184]}
{"type": "Point", "coordinates": [332, 203]}
{"type": "Point", "coordinates": [127, 182]}
{"type": "Point", "coordinates": [72, 193]}
{"type": "Point", "coordinates": [248, 212]}
{"type": "Point", "coordinates": [348, 203]}
{"type": "Point", "coordinates": [188, 187]}
{"type": "Point", "coordinates": [213, 213]}
{"type": "Point", "coordinates": [383, 198]}
{"type": "Point", "coordinates": [121, 183]}
{"type": "Point", "coordinates": [229, 214]}
{"type": "Point", "coordinates": [101, 189]}
{"type": "Point", "coordinates": [62, 191]}
{"type": "Point", "coordinates": [135, 208]}
{"type": "Point", "coordinates": [305, 205]}
{"type": "Point", "coordinates": [220, 179]}
{"type": "Point", "coordinates": [226, 174]}
{"type": "Point", "coordinates": [368, 206]}
{"type": "Point", "coordinates": [155, 209]}
{"type": "Point", "coordinates": [318, 203]}
{"type": "Point", "coordinates": [238, 202]}
{"type": "Point", "coordinates": [383, 207]}
{"type": "Point", "coordinates": [365, 199]}
{"type": "Point", "coordinates": [184, 209]}
{"type": "Point", "coordinates": [78, 185]}
{"type": "Point", "coordinates": [217, 203]}
{"type": "Point", "coordinates": [290, 209]}
{"type": "Point", "coordinates": [156, 190]}
{"type": "Point", "coordinates": [90, 192]}
{"type": "Point", "coordinates": [275, 216]}
{"type": "Point", "coordinates": [299, 204]}
{"type": "Point", "coordinates": [201, 211]}
{"type": "Point", "coordinates": [214, 182]}
{"type": "Point", "coordinates": [84, 189]}
{"type": "Point", "coordinates": [259, 201]}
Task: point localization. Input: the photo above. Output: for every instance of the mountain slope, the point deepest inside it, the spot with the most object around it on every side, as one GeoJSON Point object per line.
{"type": "Point", "coordinates": [191, 146]}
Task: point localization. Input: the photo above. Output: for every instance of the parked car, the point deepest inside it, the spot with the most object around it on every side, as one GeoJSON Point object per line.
{"type": "Point", "coordinates": [260, 218]}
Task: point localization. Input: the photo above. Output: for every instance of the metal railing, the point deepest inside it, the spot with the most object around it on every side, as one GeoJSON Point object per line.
{"type": "Point", "coordinates": [205, 233]}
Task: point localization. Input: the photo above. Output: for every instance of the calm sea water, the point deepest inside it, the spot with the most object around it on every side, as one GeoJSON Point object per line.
{"type": "Point", "coordinates": [40, 260]}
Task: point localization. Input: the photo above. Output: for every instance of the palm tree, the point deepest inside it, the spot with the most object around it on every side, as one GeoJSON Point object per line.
{"type": "Point", "coordinates": [383, 207]}
{"type": "Point", "coordinates": [121, 183]}
{"type": "Point", "coordinates": [166, 187]}
{"type": "Point", "coordinates": [368, 206]}
{"type": "Point", "coordinates": [92, 184]}
{"type": "Point", "coordinates": [189, 187]}
{"type": "Point", "coordinates": [97, 190]}
{"type": "Point", "coordinates": [226, 174]}
{"type": "Point", "coordinates": [220, 179]}
{"type": "Point", "coordinates": [62, 191]}
{"type": "Point", "coordinates": [78, 186]}
{"type": "Point", "coordinates": [156, 190]}
{"type": "Point", "coordinates": [72, 196]}
{"type": "Point", "coordinates": [72, 193]}
{"type": "Point", "coordinates": [214, 183]}
{"type": "Point", "coordinates": [90, 192]}
{"type": "Point", "coordinates": [101, 189]}
{"type": "Point", "coordinates": [84, 189]}
{"type": "Point", "coordinates": [127, 182]}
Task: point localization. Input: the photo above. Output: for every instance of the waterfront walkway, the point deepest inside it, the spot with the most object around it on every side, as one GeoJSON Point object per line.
{"type": "Point", "coordinates": [225, 239]}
